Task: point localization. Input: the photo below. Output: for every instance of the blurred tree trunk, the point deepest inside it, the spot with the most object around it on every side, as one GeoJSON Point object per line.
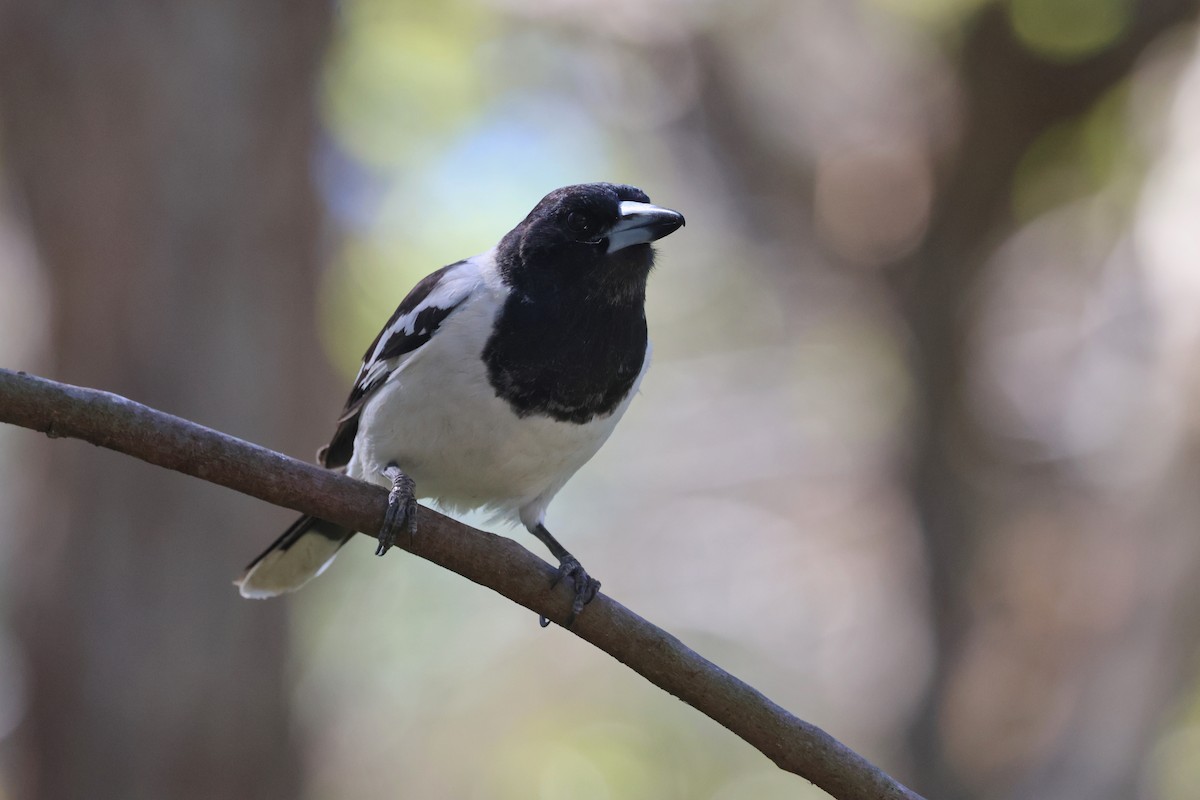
{"type": "Point", "coordinates": [1010, 98]}
{"type": "Point", "coordinates": [162, 155]}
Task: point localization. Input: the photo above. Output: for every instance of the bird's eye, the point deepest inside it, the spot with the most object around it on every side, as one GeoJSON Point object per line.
{"type": "Point", "coordinates": [580, 224]}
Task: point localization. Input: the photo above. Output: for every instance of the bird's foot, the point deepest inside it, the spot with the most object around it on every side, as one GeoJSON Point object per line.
{"type": "Point", "coordinates": [584, 585]}
{"type": "Point", "coordinates": [401, 510]}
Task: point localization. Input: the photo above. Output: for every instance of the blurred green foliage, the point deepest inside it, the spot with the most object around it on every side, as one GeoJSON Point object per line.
{"type": "Point", "coordinates": [1173, 764]}
{"type": "Point", "coordinates": [1080, 157]}
{"type": "Point", "coordinates": [1069, 29]}
{"type": "Point", "coordinates": [402, 77]}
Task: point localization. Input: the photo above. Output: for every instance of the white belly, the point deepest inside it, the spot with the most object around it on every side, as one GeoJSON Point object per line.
{"type": "Point", "coordinates": [439, 419]}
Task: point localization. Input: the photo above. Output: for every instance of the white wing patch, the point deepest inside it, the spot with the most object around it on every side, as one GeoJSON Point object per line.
{"type": "Point", "coordinates": [415, 322]}
{"type": "Point", "coordinates": [419, 322]}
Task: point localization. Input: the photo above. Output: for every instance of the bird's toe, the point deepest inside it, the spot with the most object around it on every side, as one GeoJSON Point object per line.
{"type": "Point", "coordinates": [583, 585]}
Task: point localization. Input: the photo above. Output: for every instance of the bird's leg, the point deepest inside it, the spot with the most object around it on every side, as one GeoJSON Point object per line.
{"type": "Point", "coordinates": [585, 585]}
{"type": "Point", "coordinates": [402, 508]}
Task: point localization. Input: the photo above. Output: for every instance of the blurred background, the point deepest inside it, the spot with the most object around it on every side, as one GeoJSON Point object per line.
{"type": "Point", "coordinates": [921, 442]}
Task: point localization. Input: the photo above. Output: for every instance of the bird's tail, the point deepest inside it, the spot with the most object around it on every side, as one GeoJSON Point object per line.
{"type": "Point", "coordinates": [300, 554]}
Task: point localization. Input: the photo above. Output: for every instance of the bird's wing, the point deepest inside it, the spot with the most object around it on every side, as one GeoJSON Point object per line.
{"type": "Point", "coordinates": [413, 323]}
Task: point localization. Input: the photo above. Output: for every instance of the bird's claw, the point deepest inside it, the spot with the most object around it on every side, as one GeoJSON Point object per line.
{"type": "Point", "coordinates": [584, 585]}
{"type": "Point", "coordinates": [401, 510]}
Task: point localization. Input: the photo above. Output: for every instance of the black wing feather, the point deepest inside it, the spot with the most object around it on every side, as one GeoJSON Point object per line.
{"type": "Point", "coordinates": [338, 452]}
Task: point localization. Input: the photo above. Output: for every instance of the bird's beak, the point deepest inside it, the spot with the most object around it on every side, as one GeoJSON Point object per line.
{"type": "Point", "coordinates": [641, 223]}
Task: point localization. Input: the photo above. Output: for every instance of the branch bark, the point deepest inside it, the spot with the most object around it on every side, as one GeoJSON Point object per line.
{"type": "Point", "coordinates": [500, 564]}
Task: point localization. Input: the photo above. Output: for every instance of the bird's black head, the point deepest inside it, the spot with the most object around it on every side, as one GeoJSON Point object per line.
{"type": "Point", "coordinates": [592, 239]}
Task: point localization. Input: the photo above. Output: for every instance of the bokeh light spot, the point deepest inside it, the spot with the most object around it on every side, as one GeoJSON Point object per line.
{"type": "Point", "coordinates": [1069, 29]}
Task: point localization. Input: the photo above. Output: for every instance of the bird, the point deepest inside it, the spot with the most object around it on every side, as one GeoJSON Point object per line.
{"type": "Point", "coordinates": [495, 379]}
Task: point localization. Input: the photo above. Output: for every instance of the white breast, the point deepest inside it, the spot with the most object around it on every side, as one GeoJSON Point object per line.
{"type": "Point", "coordinates": [439, 419]}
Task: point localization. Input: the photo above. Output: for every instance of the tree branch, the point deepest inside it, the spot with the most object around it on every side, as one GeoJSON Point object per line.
{"type": "Point", "coordinates": [498, 563]}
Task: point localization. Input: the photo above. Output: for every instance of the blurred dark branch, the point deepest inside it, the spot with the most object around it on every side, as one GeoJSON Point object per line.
{"type": "Point", "coordinates": [500, 564]}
